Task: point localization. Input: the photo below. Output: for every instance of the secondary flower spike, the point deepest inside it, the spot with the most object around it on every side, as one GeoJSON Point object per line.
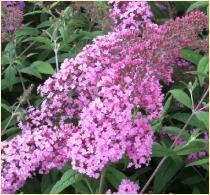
{"type": "Point", "coordinates": [126, 187]}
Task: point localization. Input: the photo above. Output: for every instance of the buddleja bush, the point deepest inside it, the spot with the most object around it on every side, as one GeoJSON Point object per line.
{"type": "Point", "coordinates": [128, 105]}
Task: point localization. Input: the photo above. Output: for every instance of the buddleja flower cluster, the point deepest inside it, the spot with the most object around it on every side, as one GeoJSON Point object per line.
{"type": "Point", "coordinates": [126, 187]}
{"type": "Point", "coordinates": [130, 15]}
{"type": "Point", "coordinates": [12, 17]}
{"type": "Point", "coordinates": [91, 113]}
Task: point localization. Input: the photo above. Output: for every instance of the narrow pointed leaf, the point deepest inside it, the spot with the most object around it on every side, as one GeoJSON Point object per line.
{"type": "Point", "coordinates": [70, 177]}
{"type": "Point", "coordinates": [182, 97]}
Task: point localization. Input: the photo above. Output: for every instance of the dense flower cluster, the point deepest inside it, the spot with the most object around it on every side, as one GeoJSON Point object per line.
{"type": "Point", "coordinates": [19, 5]}
{"type": "Point", "coordinates": [126, 187]}
{"type": "Point", "coordinates": [130, 15]}
{"type": "Point", "coordinates": [12, 17]}
{"type": "Point", "coordinates": [85, 118]}
{"type": "Point", "coordinates": [184, 64]}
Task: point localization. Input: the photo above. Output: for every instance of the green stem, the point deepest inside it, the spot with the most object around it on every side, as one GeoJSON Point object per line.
{"type": "Point", "coordinates": [56, 55]}
{"type": "Point", "coordinates": [24, 88]}
{"type": "Point", "coordinates": [22, 99]}
{"type": "Point", "coordinates": [102, 179]}
{"type": "Point", "coordinates": [191, 96]}
{"type": "Point", "coordinates": [89, 186]}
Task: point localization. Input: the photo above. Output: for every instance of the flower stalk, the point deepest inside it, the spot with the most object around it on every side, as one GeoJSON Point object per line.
{"type": "Point", "coordinates": [102, 180]}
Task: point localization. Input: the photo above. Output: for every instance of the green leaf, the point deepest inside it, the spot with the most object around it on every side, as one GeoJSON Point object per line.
{"type": "Point", "coordinates": [4, 122]}
{"type": "Point", "coordinates": [114, 176]}
{"type": "Point", "coordinates": [46, 183]}
{"type": "Point", "coordinates": [43, 40]}
{"type": "Point", "coordinates": [6, 107]}
{"type": "Point", "coordinates": [198, 162]}
{"type": "Point", "coordinates": [45, 47]}
{"type": "Point", "coordinates": [44, 24]}
{"type": "Point", "coordinates": [156, 11]}
{"type": "Point", "coordinates": [196, 190]}
{"type": "Point", "coordinates": [167, 104]}
{"type": "Point", "coordinates": [203, 117]}
{"type": "Point", "coordinates": [32, 185]}
{"type": "Point", "coordinates": [91, 35]}
{"type": "Point", "coordinates": [159, 150]}
{"type": "Point", "coordinates": [195, 84]}
{"type": "Point", "coordinates": [201, 74]}
{"type": "Point", "coordinates": [203, 67]}
{"type": "Point", "coordinates": [103, 5]}
{"type": "Point", "coordinates": [54, 174]}
{"type": "Point", "coordinates": [175, 131]}
{"type": "Point", "coordinates": [26, 31]}
{"type": "Point", "coordinates": [192, 180]}
{"type": "Point", "coordinates": [44, 55]}
{"type": "Point", "coordinates": [183, 117]}
{"type": "Point", "coordinates": [62, 57]}
{"type": "Point", "coordinates": [79, 21]}
{"type": "Point", "coordinates": [10, 51]}
{"type": "Point", "coordinates": [43, 67]}
{"type": "Point", "coordinates": [193, 146]}
{"type": "Point", "coordinates": [182, 97]}
{"type": "Point", "coordinates": [64, 34]}
{"type": "Point", "coordinates": [166, 172]}
{"type": "Point", "coordinates": [198, 5]}
{"type": "Point", "coordinates": [126, 161]}
{"type": "Point", "coordinates": [49, 180]}
{"type": "Point", "coordinates": [191, 56]}
{"type": "Point", "coordinates": [139, 172]}
{"type": "Point", "coordinates": [4, 83]}
{"type": "Point", "coordinates": [31, 54]}
{"type": "Point", "coordinates": [194, 135]}
{"type": "Point", "coordinates": [70, 177]}
{"type": "Point", "coordinates": [32, 13]}
{"type": "Point", "coordinates": [156, 123]}
{"type": "Point", "coordinates": [11, 131]}
{"type": "Point", "coordinates": [54, 4]}
{"type": "Point", "coordinates": [74, 37]}
{"type": "Point", "coordinates": [5, 59]}
{"type": "Point", "coordinates": [10, 73]}
{"type": "Point", "coordinates": [81, 187]}
{"type": "Point", "coordinates": [206, 167]}
{"type": "Point", "coordinates": [157, 128]}
{"type": "Point", "coordinates": [31, 71]}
